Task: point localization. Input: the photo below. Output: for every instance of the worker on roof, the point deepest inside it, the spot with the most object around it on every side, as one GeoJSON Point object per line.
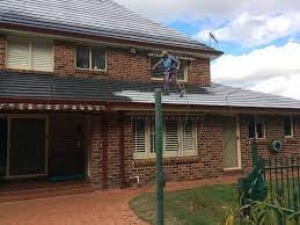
{"type": "Point", "coordinates": [170, 66]}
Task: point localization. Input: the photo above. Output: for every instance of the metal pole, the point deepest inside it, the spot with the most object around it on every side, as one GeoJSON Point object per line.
{"type": "Point", "coordinates": [158, 150]}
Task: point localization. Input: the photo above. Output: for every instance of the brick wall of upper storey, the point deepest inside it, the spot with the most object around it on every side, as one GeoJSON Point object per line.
{"type": "Point", "coordinates": [120, 64]}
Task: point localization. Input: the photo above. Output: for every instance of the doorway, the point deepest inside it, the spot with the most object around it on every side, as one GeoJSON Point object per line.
{"type": "Point", "coordinates": [231, 143]}
{"type": "Point", "coordinates": [26, 152]}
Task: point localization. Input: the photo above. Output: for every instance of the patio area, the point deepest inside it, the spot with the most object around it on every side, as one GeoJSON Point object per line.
{"type": "Point", "coordinates": [97, 208]}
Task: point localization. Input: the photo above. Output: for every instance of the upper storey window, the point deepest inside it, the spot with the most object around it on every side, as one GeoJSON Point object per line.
{"type": "Point", "coordinates": [29, 54]}
{"type": "Point", "coordinates": [92, 58]}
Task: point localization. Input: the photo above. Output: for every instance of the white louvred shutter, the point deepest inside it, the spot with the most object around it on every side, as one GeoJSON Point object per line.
{"type": "Point", "coordinates": [171, 136]}
{"type": "Point", "coordinates": [187, 136]}
{"type": "Point", "coordinates": [18, 54]}
{"type": "Point", "coordinates": [139, 137]}
{"type": "Point", "coordinates": [41, 56]}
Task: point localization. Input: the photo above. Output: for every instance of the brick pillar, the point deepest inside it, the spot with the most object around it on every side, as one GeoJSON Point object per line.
{"type": "Point", "coordinates": [2, 51]}
{"type": "Point", "coordinates": [96, 144]}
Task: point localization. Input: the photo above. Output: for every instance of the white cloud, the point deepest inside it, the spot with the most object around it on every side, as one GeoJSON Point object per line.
{"type": "Point", "coordinates": [196, 9]}
{"type": "Point", "coordinates": [272, 69]}
{"type": "Point", "coordinates": [256, 30]}
{"type": "Point", "coordinates": [251, 23]}
{"type": "Point", "coordinates": [282, 85]}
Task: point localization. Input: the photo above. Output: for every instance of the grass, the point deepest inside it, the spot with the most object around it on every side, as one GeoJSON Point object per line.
{"type": "Point", "coordinates": [199, 206]}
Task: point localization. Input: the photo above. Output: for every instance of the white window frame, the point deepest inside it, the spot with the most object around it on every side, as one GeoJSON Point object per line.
{"type": "Point", "coordinates": [90, 58]}
{"type": "Point", "coordinates": [30, 41]}
{"type": "Point", "coordinates": [185, 73]}
{"type": "Point", "coordinates": [292, 127]}
{"type": "Point", "coordinates": [149, 153]}
{"type": "Point", "coordinates": [255, 127]}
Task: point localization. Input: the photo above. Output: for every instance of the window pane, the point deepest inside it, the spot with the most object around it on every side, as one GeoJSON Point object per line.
{"type": "Point", "coordinates": [152, 138]}
{"type": "Point", "coordinates": [82, 57]}
{"type": "Point", "coordinates": [171, 136]}
{"type": "Point", "coordinates": [183, 67]}
{"type": "Point", "coordinates": [252, 128]}
{"type": "Point", "coordinates": [139, 135]}
{"type": "Point", "coordinates": [288, 126]}
{"type": "Point", "coordinates": [18, 53]}
{"type": "Point", "coordinates": [260, 130]}
{"type": "Point", "coordinates": [158, 72]}
{"type": "Point", "coordinates": [188, 143]}
{"type": "Point", "coordinates": [98, 58]}
{"type": "Point", "coordinates": [41, 56]}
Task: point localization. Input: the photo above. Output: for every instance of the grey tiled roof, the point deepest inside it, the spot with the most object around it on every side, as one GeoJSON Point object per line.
{"type": "Point", "coordinates": [95, 17]}
{"type": "Point", "coordinates": [53, 87]}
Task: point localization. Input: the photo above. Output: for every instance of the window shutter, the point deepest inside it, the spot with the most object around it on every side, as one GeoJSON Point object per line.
{"type": "Point", "coordinates": [187, 136]}
{"type": "Point", "coordinates": [139, 137]}
{"type": "Point", "coordinates": [42, 59]}
{"type": "Point", "coordinates": [18, 54]}
{"type": "Point", "coordinates": [171, 136]}
{"type": "Point", "coordinates": [152, 137]}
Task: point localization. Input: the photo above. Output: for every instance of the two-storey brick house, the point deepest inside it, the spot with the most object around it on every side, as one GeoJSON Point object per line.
{"type": "Point", "coordinates": [77, 99]}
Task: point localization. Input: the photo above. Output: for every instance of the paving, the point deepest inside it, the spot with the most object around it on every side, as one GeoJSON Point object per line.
{"type": "Point", "coordinates": [98, 208]}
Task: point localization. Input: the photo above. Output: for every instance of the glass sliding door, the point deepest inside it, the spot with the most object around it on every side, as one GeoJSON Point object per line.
{"type": "Point", "coordinates": [27, 147]}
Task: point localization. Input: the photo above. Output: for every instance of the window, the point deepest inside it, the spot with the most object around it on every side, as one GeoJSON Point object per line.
{"type": "Point", "coordinates": [288, 126]}
{"type": "Point", "coordinates": [179, 138]}
{"type": "Point", "coordinates": [92, 58]}
{"type": "Point", "coordinates": [139, 137]}
{"type": "Point", "coordinates": [26, 54]}
{"type": "Point", "coordinates": [181, 75]}
{"type": "Point", "coordinates": [256, 128]}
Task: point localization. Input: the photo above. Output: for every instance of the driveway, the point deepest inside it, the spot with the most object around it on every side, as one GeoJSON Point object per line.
{"type": "Point", "coordinates": [98, 208]}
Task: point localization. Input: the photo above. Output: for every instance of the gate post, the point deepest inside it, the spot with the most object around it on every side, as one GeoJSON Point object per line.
{"type": "Point", "coordinates": [159, 162]}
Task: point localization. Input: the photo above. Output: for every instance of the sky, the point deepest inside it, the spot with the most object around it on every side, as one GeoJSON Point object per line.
{"type": "Point", "coordinates": [260, 38]}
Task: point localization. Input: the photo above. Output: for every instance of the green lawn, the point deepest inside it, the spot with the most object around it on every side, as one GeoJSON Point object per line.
{"type": "Point", "coordinates": [200, 206]}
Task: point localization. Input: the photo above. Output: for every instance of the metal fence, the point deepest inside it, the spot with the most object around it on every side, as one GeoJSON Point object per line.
{"type": "Point", "coordinates": [282, 177]}
{"type": "Point", "coordinates": [276, 177]}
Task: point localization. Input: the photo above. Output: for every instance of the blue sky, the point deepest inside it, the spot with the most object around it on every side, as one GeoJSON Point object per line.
{"type": "Point", "coordinates": [260, 39]}
{"type": "Point", "coordinates": [190, 28]}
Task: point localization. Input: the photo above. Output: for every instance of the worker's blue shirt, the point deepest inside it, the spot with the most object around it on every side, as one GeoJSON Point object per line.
{"type": "Point", "coordinates": [168, 62]}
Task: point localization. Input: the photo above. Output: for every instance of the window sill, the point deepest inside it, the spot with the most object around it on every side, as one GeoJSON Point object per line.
{"type": "Point", "coordinates": [161, 79]}
{"type": "Point", "coordinates": [29, 71]}
{"type": "Point", "coordinates": [91, 70]}
{"type": "Point", "coordinates": [260, 140]}
{"type": "Point", "coordinates": [232, 169]}
{"type": "Point", "coordinates": [167, 161]}
{"type": "Point", "coordinates": [289, 137]}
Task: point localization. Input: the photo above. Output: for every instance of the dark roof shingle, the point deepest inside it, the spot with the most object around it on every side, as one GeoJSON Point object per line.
{"type": "Point", "coordinates": [95, 17]}
{"type": "Point", "coordinates": [54, 87]}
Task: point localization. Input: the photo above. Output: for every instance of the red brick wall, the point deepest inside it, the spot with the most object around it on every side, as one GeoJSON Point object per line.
{"type": "Point", "coordinates": [113, 151]}
{"type": "Point", "coordinates": [273, 130]}
{"type": "Point", "coordinates": [121, 64]}
{"type": "Point", "coordinates": [199, 72]}
{"type": "Point", "coordinates": [95, 150]}
{"type": "Point", "coordinates": [208, 162]}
